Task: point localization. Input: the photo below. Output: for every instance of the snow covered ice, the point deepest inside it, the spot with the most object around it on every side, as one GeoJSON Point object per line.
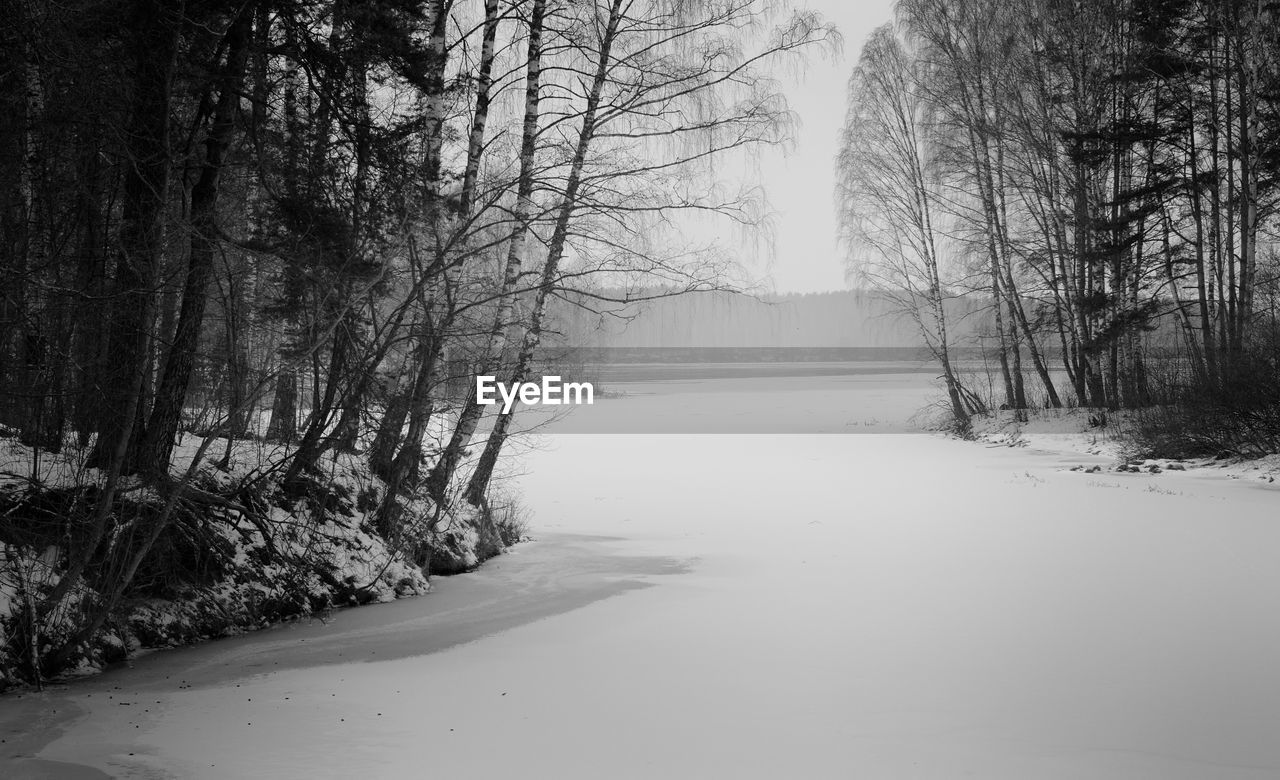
{"type": "Point", "coordinates": [756, 605]}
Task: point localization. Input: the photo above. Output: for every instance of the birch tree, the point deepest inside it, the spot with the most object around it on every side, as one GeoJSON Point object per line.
{"type": "Point", "coordinates": [887, 196]}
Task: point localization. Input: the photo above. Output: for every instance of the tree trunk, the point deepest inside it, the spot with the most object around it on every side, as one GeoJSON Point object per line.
{"type": "Point", "coordinates": [162, 428]}
{"type": "Point", "coordinates": [382, 453]}
{"type": "Point", "coordinates": [469, 418]}
{"type": "Point", "coordinates": [157, 25]}
{"type": "Point", "coordinates": [406, 464]}
{"type": "Point", "coordinates": [418, 406]}
{"type": "Point", "coordinates": [479, 483]}
{"type": "Point", "coordinates": [283, 426]}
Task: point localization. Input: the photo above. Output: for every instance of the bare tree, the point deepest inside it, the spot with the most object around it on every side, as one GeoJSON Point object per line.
{"type": "Point", "coordinates": [887, 194]}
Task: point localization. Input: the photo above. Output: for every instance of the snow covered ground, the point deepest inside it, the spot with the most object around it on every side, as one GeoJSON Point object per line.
{"type": "Point", "coordinates": [755, 606]}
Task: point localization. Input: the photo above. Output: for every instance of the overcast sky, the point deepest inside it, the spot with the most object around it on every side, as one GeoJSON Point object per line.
{"type": "Point", "coordinates": [800, 183]}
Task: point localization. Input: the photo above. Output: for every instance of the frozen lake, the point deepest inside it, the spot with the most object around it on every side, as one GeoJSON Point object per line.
{"type": "Point", "coordinates": [754, 605]}
{"type": "Point", "coordinates": [815, 397]}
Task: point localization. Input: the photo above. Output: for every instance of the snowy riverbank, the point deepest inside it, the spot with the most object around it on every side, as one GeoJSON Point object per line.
{"type": "Point", "coordinates": [242, 554]}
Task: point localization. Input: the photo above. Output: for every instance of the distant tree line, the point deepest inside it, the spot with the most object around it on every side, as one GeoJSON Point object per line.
{"type": "Point", "coordinates": [1093, 169]}
{"type": "Point", "coordinates": [843, 318]}
{"type": "Point", "coordinates": [289, 221]}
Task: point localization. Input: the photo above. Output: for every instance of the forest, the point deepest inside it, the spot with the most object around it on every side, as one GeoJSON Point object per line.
{"type": "Point", "coordinates": [1102, 175]}
{"type": "Point", "coordinates": [248, 246]}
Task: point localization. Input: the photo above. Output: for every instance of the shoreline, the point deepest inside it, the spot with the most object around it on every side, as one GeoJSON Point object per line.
{"type": "Point", "coordinates": [512, 590]}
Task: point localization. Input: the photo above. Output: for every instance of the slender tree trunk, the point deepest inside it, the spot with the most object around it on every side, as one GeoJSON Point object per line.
{"type": "Point", "coordinates": [484, 82]}
{"type": "Point", "coordinates": [157, 24]}
{"type": "Point", "coordinates": [408, 460]}
{"type": "Point", "coordinates": [479, 483]}
{"type": "Point", "coordinates": [311, 447]}
{"type": "Point", "coordinates": [162, 428]}
{"type": "Point", "coordinates": [1014, 397]}
{"type": "Point", "coordinates": [1247, 90]}
{"type": "Point", "coordinates": [469, 418]}
{"type": "Point", "coordinates": [88, 342]}
{"type": "Point", "coordinates": [1201, 272]}
{"type": "Point", "coordinates": [390, 427]}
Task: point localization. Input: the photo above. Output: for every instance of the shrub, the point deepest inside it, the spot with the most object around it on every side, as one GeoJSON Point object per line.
{"type": "Point", "coordinates": [1236, 413]}
{"type": "Point", "coordinates": [510, 520]}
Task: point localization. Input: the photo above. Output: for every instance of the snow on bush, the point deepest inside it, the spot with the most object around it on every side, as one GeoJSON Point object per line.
{"type": "Point", "coordinates": [262, 557]}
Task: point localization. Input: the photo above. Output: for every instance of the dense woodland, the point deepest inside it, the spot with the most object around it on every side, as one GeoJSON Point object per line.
{"type": "Point", "coordinates": [1094, 171]}
{"type": "Point", "coordinates": [292, 222]}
